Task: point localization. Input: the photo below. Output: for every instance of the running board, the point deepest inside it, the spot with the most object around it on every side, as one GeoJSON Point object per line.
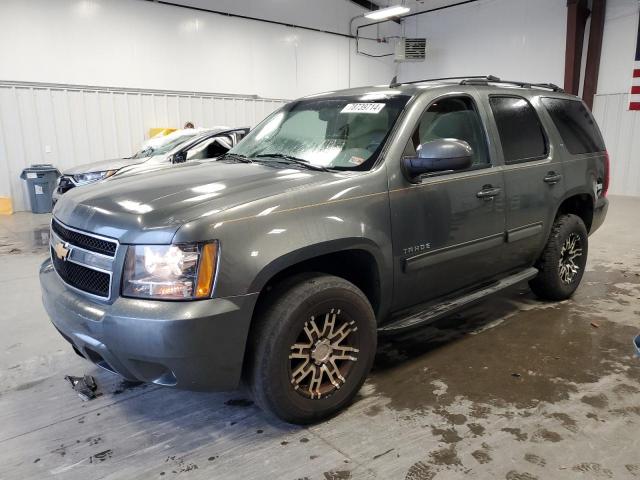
{"type": "Point", "coordinates": [437, 311]}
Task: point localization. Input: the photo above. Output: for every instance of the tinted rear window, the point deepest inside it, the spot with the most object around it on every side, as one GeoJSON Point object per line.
{"type": "Point", "coordinates": [575, 124]}
{"type": "Point", "coordinates": [520, 129]}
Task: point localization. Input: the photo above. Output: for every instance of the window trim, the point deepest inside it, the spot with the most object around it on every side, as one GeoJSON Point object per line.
{"type": "Point", "coordinates": [474, 103]}
{"type": "Point", "coordinates": [545, 134]}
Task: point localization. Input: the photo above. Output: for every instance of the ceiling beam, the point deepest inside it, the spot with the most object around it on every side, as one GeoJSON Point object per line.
{"type": "Point", "coordinates": [373, 6]}
{"type": "Point", "coordinates": [366, 4]}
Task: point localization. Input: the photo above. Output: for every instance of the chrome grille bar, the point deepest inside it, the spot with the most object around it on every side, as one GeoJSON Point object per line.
{"type": "Point", "coordinates": [92, 267]}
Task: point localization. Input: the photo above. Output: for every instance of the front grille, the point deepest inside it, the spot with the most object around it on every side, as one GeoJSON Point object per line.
{"type": "Point", "coordinates": [87, 242]}
{"type": "Point", "coordinates": [82, 278]}
{"type": "Point", "coordinates": [65, 184]}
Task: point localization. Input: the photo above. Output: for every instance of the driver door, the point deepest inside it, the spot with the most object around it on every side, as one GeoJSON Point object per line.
{"type": "Point", "coordinates": [448, 229]}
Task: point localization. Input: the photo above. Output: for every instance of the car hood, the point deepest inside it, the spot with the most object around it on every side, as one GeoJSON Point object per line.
{"type": "Point", "coordinates": [102, 165]}
{"type": "Point", "coordinates": [151, 208]}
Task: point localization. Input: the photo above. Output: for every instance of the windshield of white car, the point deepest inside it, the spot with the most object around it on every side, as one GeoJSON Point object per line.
{"type": "Point", "coordinates": [343, 133]}
{"type": "Point", "coordinates": [164, 148]}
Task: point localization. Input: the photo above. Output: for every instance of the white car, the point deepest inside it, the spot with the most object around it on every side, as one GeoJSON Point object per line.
{"type": "Point", "coordinates": [177, 147]}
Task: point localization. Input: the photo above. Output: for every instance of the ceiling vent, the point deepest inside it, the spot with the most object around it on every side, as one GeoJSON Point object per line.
{"type": "Point", "coordinates": [411, 50]}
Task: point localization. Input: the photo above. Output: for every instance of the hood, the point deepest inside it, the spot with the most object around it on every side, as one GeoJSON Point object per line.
{"type": "Point", "coordinates": [102, 165]}
{"type": "Point", "coordinates": [151, 208]}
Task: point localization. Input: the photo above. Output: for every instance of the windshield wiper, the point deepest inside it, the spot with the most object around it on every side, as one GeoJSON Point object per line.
{"type": "Point", "coordinates": [292, 159]}
{"type": "Point", "coordinates": [235, 156]}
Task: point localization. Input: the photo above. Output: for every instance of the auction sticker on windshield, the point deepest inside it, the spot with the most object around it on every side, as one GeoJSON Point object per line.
{"type": "Point", "coordinates": [363, 108]}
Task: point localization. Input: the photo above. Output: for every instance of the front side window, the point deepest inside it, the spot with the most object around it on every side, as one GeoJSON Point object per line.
{"type": "Point", "coordinates": [345, 133]}
{"type": "Point", "coordinates": [520, 130]}
{"type": "Point", "coordinates": [210, 148]}
{"type": "Point", "coordinates": [457, 118]}
{"type": "Point", "coordinates": [576, 125]}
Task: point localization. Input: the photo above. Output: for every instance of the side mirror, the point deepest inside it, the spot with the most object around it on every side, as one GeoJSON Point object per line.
{"type": "Point", "coordinates": [179, 157]}
{"type": "Point", "coordinates": [439, 156]}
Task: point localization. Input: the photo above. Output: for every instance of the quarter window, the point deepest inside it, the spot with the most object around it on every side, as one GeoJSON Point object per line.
{"type": "Point", "coordinates": [453, 117]}
{"type": "Point", "coordinates": [520, 130]}
{"type": "Point", "coordinates": [575, 124]}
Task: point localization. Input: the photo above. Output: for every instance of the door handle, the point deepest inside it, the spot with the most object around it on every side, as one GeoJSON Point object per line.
{"type": "Point", "coordinates": [552, 178]}
{"type": "Point", "coordinates": [488, 192]}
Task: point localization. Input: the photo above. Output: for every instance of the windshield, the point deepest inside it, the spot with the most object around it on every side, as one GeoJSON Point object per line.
{"type": "Point", "coordinates": [345, 133]}
{"type": "Point", "coordinates": [152, 151]}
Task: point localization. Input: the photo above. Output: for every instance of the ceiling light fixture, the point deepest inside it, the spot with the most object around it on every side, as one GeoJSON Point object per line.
{"type": "Point", "coordinates": [383, 13]}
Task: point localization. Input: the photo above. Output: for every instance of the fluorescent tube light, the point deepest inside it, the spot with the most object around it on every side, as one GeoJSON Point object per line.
{"type": "Point", "coordinates": [392, 11]}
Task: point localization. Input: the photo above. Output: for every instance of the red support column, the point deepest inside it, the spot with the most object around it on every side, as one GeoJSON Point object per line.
{"type": "Point", "coordinates": [593, 53]}
{"type": "Point", "coordinates": [577, 13]}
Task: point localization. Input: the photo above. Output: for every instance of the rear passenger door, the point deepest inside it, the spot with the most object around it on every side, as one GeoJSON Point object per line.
{"type": "Point", "coordinates": [532, 174]}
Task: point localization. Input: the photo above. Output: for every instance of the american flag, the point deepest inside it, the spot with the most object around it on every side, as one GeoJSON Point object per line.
{"type": "Point", "coordinates": [634, 101]}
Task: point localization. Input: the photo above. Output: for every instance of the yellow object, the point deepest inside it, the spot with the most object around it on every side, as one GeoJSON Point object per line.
{"type": "Point", "coordinates": [6, 206]}
{"type": "Point", "coordinates": [207, 269]}
{"type": "Point", "coordinates": [160, 132]}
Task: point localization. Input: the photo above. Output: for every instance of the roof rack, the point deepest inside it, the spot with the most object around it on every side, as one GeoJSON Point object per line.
{"type": "Point", "coordinates": [486, 81]}
{"type": "Point", "coordinates": [395, 83]}
{"type": "Point", "coordinates": [480, 80]}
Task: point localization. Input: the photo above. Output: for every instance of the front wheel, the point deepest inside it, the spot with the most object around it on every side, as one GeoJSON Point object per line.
{"type": "Point", "coordinates": [563, 260]}
{"type": "Point", "coordinates": [312, 348]}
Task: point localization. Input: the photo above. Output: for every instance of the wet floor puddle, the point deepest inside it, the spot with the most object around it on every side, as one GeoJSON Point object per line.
{"type": "Point", "coordinates": [541, 352]}
{"type": "Point", "coordinates": [514, 357]}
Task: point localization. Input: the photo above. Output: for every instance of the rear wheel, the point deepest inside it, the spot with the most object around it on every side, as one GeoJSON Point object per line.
{"type": "Point", "coordinates": [312, 349]}
{"type": "Point", "coordinates": [563, 260]}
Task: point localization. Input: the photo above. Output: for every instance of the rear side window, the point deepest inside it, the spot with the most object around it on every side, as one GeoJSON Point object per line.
{"type": "Point", "coordinates": [576, 125]}
{"type": "Point", "coordinates": [520, 129]}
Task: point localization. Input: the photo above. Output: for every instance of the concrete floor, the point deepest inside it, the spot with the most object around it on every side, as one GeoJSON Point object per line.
{"type": "Point", "coordinates": [513, 388]}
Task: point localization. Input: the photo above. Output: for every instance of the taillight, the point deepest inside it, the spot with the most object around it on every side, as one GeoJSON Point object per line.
{"type": "Point", "coordinates": [605, 180]}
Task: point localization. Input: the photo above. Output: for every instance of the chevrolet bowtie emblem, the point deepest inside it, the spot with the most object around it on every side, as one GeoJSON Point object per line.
{"type": "Point", "coordinates": [61, 250]}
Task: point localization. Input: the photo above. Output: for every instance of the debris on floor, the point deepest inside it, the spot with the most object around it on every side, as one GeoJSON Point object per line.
{"type": "Point", "coordinates": [85, 386]}
{"type": "Point", "coordinates": [595, 325]}
{"type": "Point", "coordinates": [636, 342]}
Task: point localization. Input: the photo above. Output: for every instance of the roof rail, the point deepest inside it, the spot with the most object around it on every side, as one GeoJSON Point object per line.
{"type": "Point", "coordinates": [480, 81]}
{"type": "Point", "coordinates": [490, 78]}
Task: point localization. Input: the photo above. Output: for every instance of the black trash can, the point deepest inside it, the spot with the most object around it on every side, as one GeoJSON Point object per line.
{"type": "Point", "coordinates": [41, 181]}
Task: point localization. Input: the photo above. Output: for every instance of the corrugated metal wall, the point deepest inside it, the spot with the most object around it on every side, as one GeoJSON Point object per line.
{"type": "Point", "coordinates": [621, 130]}
{"type": "Point", "coordinates": [68, 125]}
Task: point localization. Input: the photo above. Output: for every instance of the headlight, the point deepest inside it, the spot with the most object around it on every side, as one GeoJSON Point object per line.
{"type": "Point", "coordinates": [171, 272]}
{"type": "Point", "coordinates": [91, 177]}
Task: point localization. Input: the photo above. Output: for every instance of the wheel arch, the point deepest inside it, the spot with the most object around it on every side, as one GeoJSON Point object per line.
{"type": "Point", "coordinates": [580, 203]}
{"type": "Point", "coordinates": [357, 260]}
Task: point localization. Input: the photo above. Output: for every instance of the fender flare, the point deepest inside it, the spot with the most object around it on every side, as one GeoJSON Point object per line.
{"type": "Point", "coordinates": [323, 248]}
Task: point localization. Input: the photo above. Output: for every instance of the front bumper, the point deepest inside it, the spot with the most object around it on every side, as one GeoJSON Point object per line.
{"type": "Point", "coordinates": [193, 345]}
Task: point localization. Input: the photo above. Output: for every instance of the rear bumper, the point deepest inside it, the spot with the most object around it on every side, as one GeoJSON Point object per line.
{"type": "Point", "coordinates": [197, 345]}
{"type": "Point", "coordinates": [599, 214]}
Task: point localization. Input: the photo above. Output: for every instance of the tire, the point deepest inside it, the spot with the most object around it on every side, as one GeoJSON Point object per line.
{"type": "Point", "coordinates": [553, 282]}
{"type": "Point", "coordinates": [282, 385]}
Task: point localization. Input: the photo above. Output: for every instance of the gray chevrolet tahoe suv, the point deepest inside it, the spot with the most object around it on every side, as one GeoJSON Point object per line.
{"type": "Point", "coordinates": [341, 217]}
